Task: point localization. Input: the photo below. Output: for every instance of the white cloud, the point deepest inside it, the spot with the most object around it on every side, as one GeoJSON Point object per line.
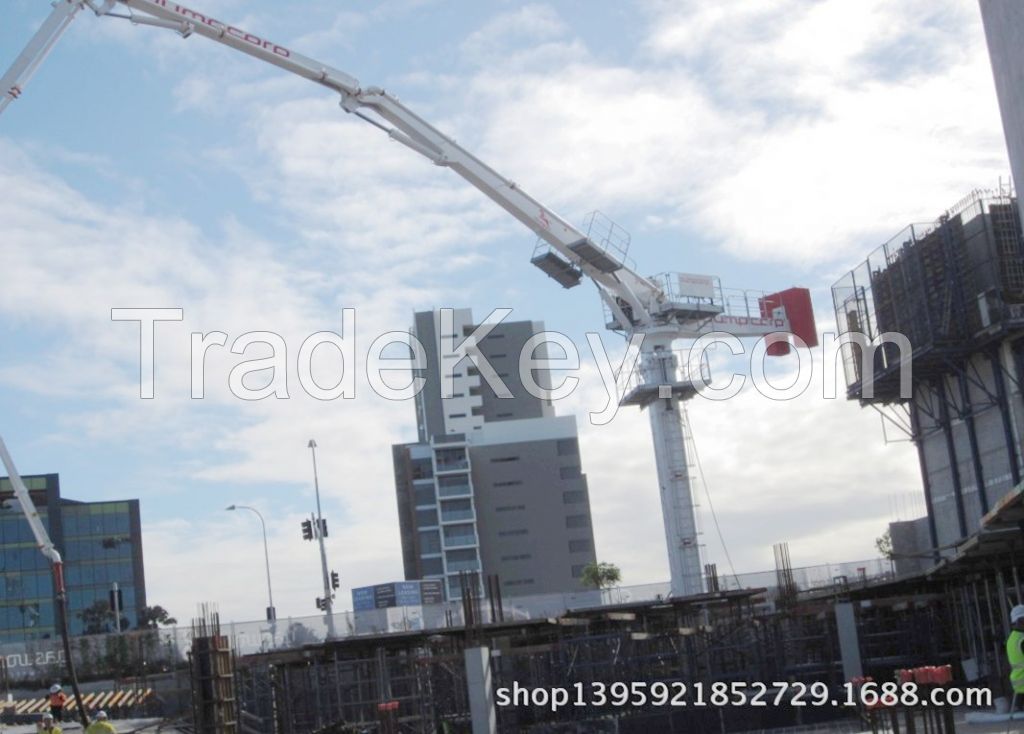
{"type": "Point", "coordinates": [508, 34]}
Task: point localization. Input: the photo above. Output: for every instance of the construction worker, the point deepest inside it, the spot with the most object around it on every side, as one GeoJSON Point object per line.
{"type": "Point", "coordinates": [57, 701]}
{"type": "Point", "coordinates": [1015, 652]}
{"type": "Point", "coordinates": [100, 725]}
{"type": "Point", "coordinates": [47, 725]}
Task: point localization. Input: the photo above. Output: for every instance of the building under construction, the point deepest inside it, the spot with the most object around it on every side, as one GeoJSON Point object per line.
{"type": "Point", "coordinates": [953, 289]}
{"type": "Point", "coordinates": [423, 681]}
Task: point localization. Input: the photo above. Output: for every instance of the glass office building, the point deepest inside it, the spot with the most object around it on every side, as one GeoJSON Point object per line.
{"type": "Point", "coordinates": [101, 544]}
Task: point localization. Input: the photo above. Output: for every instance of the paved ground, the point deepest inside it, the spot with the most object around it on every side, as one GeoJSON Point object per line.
{"type": "Point", "coordinates": [123, 726]}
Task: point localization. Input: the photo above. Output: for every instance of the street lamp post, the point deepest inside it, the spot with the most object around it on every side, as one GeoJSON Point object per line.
{"type": "Point", "coordinates": [328, 601]}
{"type": "Point", "coordinates": [271, 612]}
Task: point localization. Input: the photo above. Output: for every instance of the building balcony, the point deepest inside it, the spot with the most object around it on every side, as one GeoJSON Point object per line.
{"type": "Point", "coordinates": [452, 466]}
{"type": "Point", "coordinates": [456, 566]}
{"type": "Point", "coordinates": [460, 541]}
{"type": "Point", "coordinates": [457, 515]}
{"type": "Point", "coordinates": [455, 490]}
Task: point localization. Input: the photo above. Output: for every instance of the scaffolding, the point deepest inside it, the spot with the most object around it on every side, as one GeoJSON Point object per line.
{"type": "Point", "coordinates": [212, 664]}
{"type": "Point", "coordinates": [949, 286]}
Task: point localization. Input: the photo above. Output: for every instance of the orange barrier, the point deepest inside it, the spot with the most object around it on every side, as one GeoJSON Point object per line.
{"type": "Point", "coordinates": [109, 701]}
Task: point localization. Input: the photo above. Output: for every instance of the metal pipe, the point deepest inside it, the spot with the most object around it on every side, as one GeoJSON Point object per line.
{"type": "Point", "coordinates": [328, 600]}
{"type": "Point", "coordinates": [997, 652]}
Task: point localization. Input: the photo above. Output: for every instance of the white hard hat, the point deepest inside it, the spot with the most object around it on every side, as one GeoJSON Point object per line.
{"type": "Point", "coordinates": [101, 715]}
{"type": "Point", "coordinates": [55, 688]}
{"type": "Point", "coordinates": [1017, 614]}
{"type": "Point", "coordinates": [47, 717]}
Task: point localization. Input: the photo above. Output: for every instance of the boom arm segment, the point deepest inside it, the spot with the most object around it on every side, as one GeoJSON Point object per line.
{"type": "Point", "coordinates": [632, 298]}
{"type": "Point", "coordinates": [28, 508]}
{"type": "Point", "coordinates": [621, 282]}
{"type": "Point", "coordinates": [37, 50]}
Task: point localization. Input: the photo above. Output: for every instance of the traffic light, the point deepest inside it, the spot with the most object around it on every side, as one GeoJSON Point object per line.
{"type": "Point", "coordinates": [307, 529]}
{"type": "Point", "coordinates": [323, 527]}
{"type": "Point", "coordinates": [335, 580]}
{"type": "Point", "coordinates": [321, 604]}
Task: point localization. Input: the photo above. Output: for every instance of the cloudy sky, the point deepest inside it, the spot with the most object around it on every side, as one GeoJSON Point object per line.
{"type": "Point", "coordinates": [770, 143]}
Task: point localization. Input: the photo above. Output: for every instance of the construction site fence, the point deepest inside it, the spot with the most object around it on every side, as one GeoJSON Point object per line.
{"type": "Point", "coordinates": [151, 652]}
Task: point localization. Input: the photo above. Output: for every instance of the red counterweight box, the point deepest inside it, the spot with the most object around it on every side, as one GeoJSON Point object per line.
{"type": "Point", "coordinates": [799, 311]}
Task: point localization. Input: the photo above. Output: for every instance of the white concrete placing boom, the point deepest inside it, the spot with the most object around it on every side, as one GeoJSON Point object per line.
{"type": "Point", "coordinates": [661, 308]}
{"type": "Point", "coordinates": [28, 508]}
{"type": "Point", "coordinates": [46, 547]}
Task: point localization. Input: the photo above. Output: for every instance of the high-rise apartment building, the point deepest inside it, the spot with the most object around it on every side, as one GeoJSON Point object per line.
{"type": "Point", "coordinates": [494, 484]}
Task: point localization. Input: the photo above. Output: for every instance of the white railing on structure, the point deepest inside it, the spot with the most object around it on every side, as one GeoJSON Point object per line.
{"type": "Point", "coordinates": [36, 658]}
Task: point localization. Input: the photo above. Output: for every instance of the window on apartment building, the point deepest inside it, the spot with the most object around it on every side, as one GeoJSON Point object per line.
{"type": "Point", "coordinates": [569, 472]}
{"type": "Point", "coordinates": [432, 566]}
{"type": "Point", "coordinates": [518, 557]}
{"type": "Point", "coordinates": [577, 521]}
{"type": "Point", "coordinates": [456, 415]}
{"type": "Point", "coordinates": [503, 459]}
{"type": "Point", "coordinates": [425, 495]}
{"type": "Point", "coordinates": [478, 411]}
{"type": "Point", "coordinates": [510, 483]}
{"type": "Point", "coordinates": [464, 534]}
{"type": "Point", "coordinates": [580, 546]}
{"type": "Point", "coordinates": [426, 518]}
{"type": "Point", "coordinates": [472, 371]}
{"type": "Point", "coordinates": [574, 496]}
{"type": "Point", "coordinates": [430, 541]}
{"type": "Point", "coordinates": [509, 508]}
{"type": "Point", "coordinates": [568, 447]}
{"type": "Point", "coordinates": [463, 554]}
{"type": "Point", "coordinates": [499, 356]}
{"type": "Point", "coordinates": [421, 469]}
{"type": "Point", "coordinates": [509, 533]}
{"type": "Point", "coordinates": [504, 415]}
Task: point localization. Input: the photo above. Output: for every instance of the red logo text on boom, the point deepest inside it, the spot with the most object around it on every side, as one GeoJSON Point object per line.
{"type": "Point", "coordinates": [228, 30]}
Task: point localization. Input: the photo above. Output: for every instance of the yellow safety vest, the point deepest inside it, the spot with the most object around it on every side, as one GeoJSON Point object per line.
{"type": "Point", "coordinates": [1015, 654]}
{"type": "Point", "coordinates": [100, 727]}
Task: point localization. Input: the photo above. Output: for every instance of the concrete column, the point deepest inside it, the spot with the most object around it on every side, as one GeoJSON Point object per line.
{"type": "Point", "coordinates": [849, 645]}
{"type": "Point", "coordinates": [481, 690]}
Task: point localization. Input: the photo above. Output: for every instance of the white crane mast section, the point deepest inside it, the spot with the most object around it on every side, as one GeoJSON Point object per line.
{"type": "Point", "coordinates": [678, 510]}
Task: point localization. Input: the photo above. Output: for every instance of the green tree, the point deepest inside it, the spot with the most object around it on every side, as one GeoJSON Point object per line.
{"type": "Point", "coordinates": [97, 619]}
{"type": "Point", "coordinates": [153, 617]}
{"type": "Point", "coordinates": [883, 543]}
{"type": "Point", "coordinates": [299, 634]}
{"type": "Point", "coordinates": [601, 575]}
